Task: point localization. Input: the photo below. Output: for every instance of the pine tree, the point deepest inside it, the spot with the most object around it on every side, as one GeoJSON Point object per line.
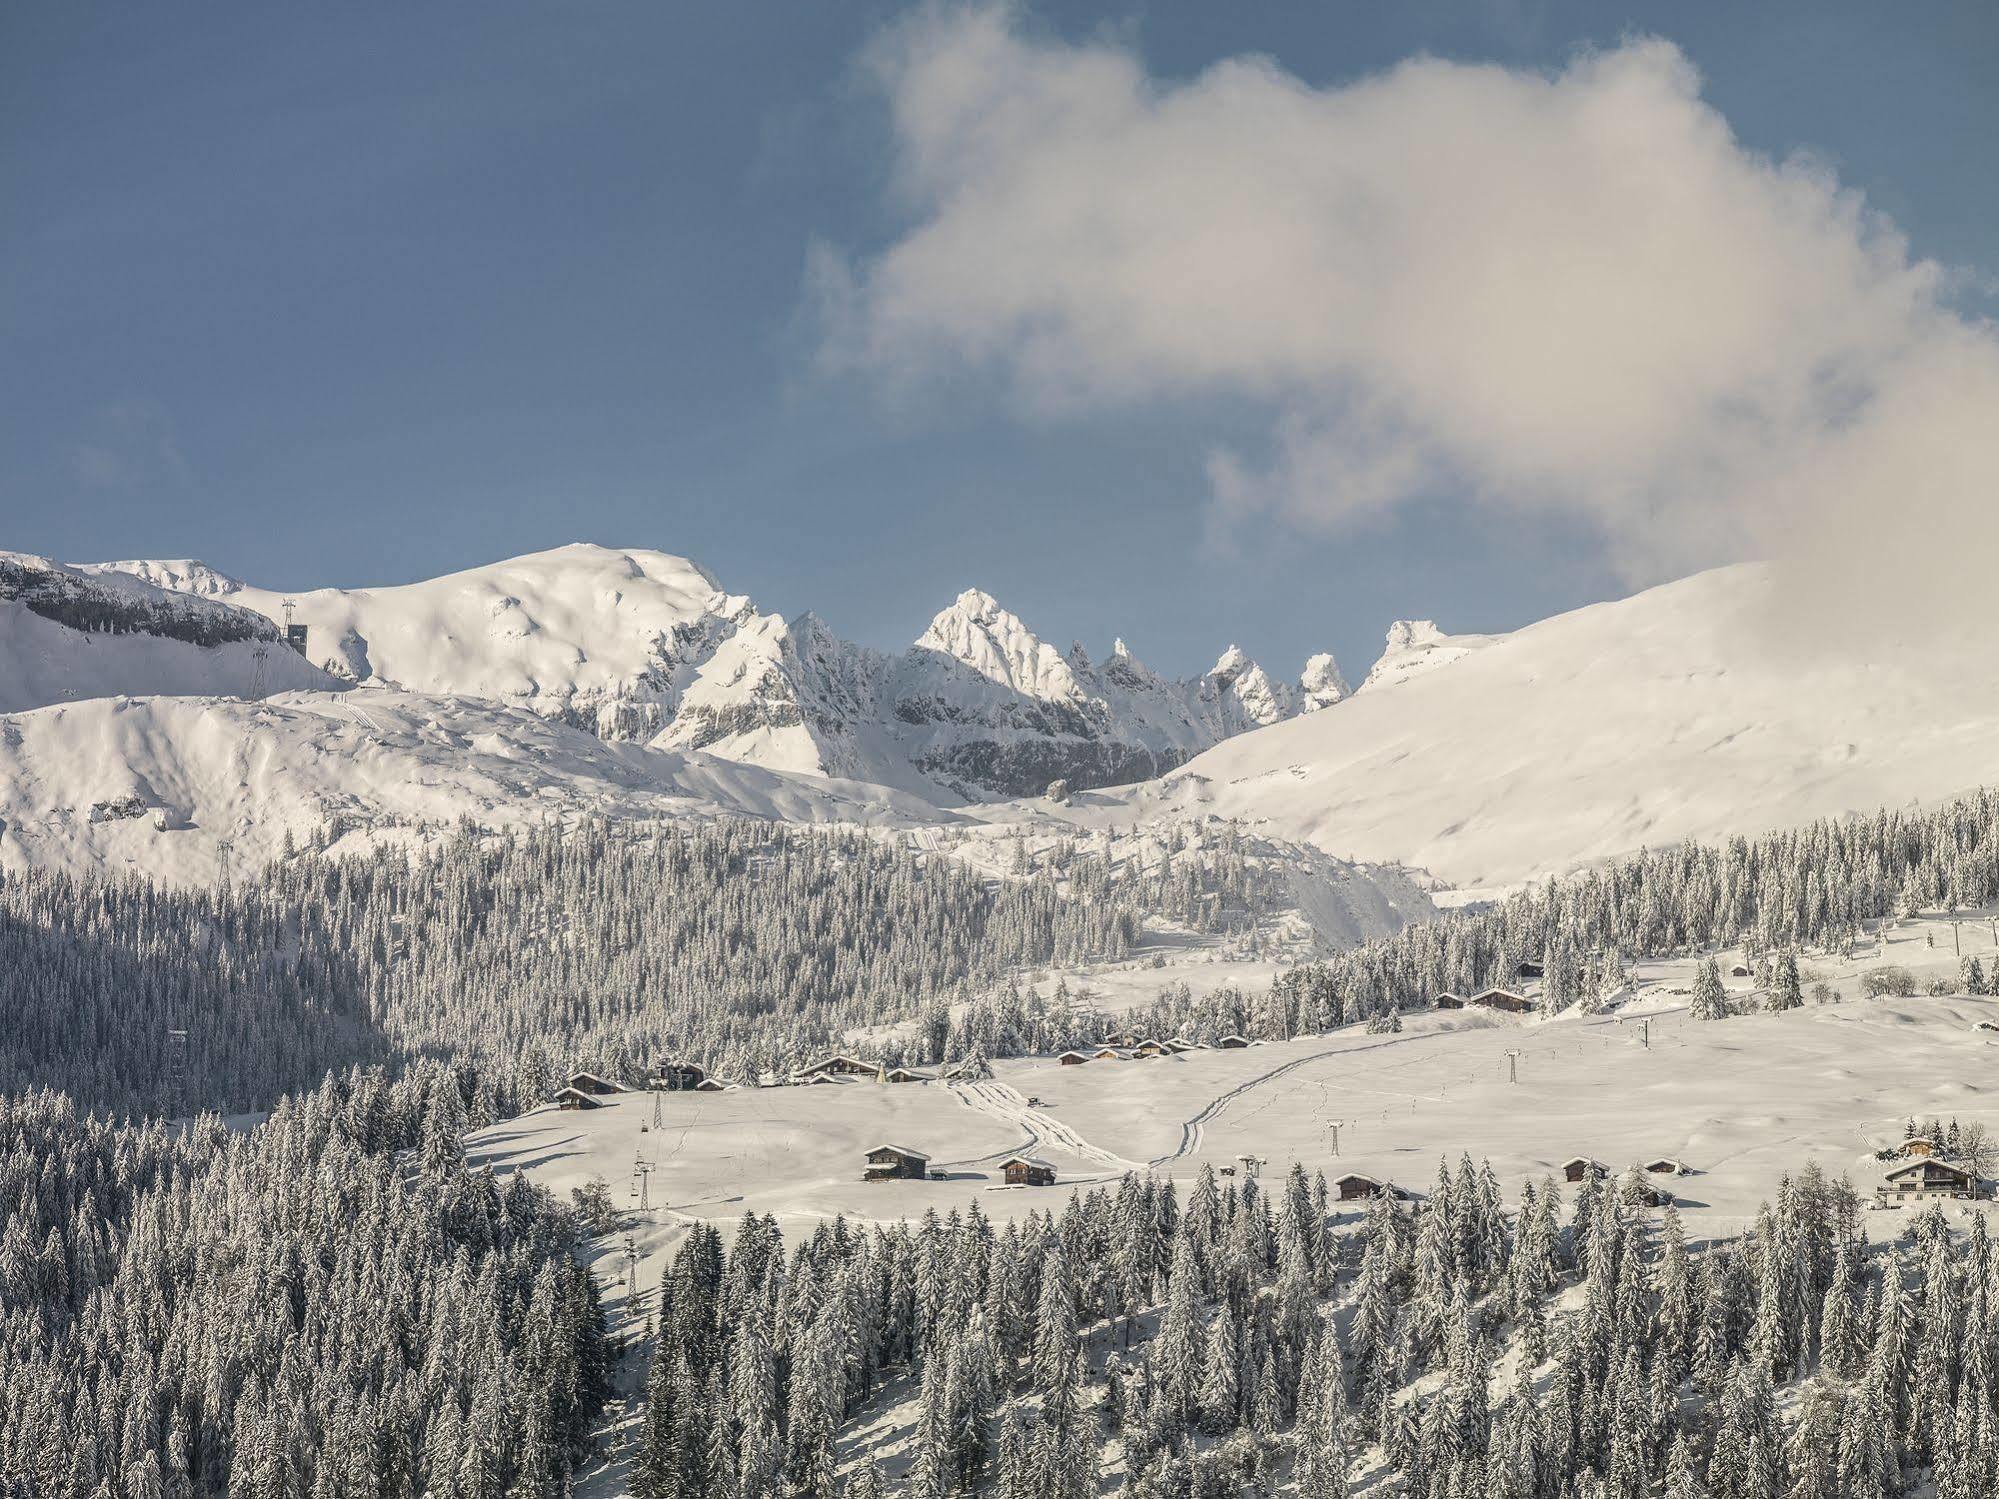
{"type": "Point", "coordinates": [1710, 1000]}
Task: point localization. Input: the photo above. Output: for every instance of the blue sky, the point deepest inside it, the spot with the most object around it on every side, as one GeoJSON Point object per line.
{"type": "Point", "coordinates": [364, 295]}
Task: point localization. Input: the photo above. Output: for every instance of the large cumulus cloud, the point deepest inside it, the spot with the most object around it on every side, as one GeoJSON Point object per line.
{"type": "Point", "coordinates": [1571, 291]}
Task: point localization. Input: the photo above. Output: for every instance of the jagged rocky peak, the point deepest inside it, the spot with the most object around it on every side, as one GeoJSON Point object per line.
{"type": "Point", "coordinates": [1416, 646]}
{"type": "Point", "coordinates": [1322, 683]}
{"type": "Point", "coordinates": [997, 645]}
{"type": "Point", "coordinates": [1233, 663]}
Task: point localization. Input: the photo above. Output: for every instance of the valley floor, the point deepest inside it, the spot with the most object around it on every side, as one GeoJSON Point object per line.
{"type": "Point", "coordinates": [1738, 1101]}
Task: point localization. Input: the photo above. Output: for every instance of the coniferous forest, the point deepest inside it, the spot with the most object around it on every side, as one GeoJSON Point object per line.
{"type": "Point", "coordinates": [329, 1303]}
{"type": "Point", "coordinates": [1254, 1338]}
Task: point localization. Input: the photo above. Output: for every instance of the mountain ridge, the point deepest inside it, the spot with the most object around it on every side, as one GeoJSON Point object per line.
{"type": "Point", "coordinates": [646, 646]}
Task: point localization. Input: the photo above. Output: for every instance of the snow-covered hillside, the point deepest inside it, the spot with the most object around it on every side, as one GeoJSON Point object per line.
{"type": "Point", "coordinates": [1683, 712]}
{"type": "Point", "coordinates": [66, 635]}
{"type": "Point", "coordinates": [647, 646]}
{"type": "Point", "coordinates": [156, 785]}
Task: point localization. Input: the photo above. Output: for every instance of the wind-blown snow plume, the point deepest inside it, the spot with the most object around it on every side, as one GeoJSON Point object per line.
{"type": "Point", "coordinates": [1571, 291]}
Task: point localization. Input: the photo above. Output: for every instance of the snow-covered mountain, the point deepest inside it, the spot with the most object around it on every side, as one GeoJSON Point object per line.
{"type": "Point", "coordinates": [67, 635]}
{"type": "Point", "coordinates": [1692, 710]}
{"type": "Point", "coordinates": [640, 645]}
{"type": "Point", "coordinates": [159, 784]}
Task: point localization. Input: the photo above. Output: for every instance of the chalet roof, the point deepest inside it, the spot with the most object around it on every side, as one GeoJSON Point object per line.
{"type": "Point", "coordinates": [1930, 1164]}
{"type": "Point", "coordinates": [589, 1098]}
{"type": "Point", "coordinates": [907, 1072]}
{"type": "Point", "coordinates": [1026, 1160]}
{"type": "Point", "coordinates": [1585, 1160]}
{"type": "Point", "coordinates": [1085, 1056]}
{"type": "Point", "coordinates": [838, 1058]}
{"type": "Point", "coordinates": [1666, 1163]}
{"type": "Point", "coordinates": [1359, 1176]}
{"type": "Point", "coordinates": [1930, 1140]}
{"type": "Point", "coordinates": [901, 1150]}
{"type": "Point", "coordinates": [1232, 1036]}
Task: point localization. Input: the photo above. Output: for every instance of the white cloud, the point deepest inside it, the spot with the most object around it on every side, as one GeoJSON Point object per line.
{"type": "Point", "coordinates": [1574, 292]}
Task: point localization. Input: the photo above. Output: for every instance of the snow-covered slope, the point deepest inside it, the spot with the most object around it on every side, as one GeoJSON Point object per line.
{"type": "Point", "coordinates": [157, 784]}
{"type": "Point", "coordinates": [66, 635]}
{"type": "Point", "coordinates": [1683, 712]}
{"type": "Point", "coordinates": [644, 645]}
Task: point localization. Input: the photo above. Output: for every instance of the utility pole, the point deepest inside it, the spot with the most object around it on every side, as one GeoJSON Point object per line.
{"type": "Point", "coordinates": [1645, 1034]}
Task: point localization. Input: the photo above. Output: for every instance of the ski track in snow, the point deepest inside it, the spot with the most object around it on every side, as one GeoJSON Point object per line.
{"type": "Point", "coordinates": [1038, 1128]}
{"type": "Point", "coordinates": [1192, 1131]}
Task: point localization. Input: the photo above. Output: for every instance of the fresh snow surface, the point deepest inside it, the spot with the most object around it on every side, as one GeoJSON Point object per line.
{"type": "Point", "coordinates": [1682, 712]}
{"type": "Point", "coordinates": [155, 785]}
{"type": "Point", "coordinates": [44, 661]}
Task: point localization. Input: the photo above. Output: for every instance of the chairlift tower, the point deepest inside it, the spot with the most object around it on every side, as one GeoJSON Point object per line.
{"type": "Point", "coordinates": [223, 848]}
{"type": "Point", "coordinates": [1513, 1056]}
{"type": "Point", "coordinates": [260, 655]}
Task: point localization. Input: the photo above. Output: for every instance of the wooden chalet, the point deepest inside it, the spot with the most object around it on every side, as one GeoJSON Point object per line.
{"type": "Point", "coordinates": [1149, 1048]}
{"type": "Point", "coordinates": [677, 1077]}
{"type": "Point", "coordinates": [576, 1098]}
{"type": "Point", "coordinates": [840, 1065]}
{"type": "Point", "coordinates": [1920, 1147]}
{"type": "Point", "coordinates": [1920, 1180]}
{"type": "Point", "coordinates": [905, 1075]}
{"type": "Point", "coordinates": [1510, 1000]}
{"type": "Point", "coordinates": [1180, 1046]}
{"type": "Point", "coordinates": [1739, 971]}
{"type": "Point", "coordinates": [1448, 1001]}
{"type": "Point", "coordinates": [1355, 1186]}
{"type": "Point", "coordinates": [1107, 1054]}
{"type": "Point", "coordinates": [1232, 1042]}
{"type": "Point", "coordinates": [1121, 1038]}
{"type": "Point", "coordinates": [711, 1085]}
{"type": "Point", "coordinates": [1580, 1167]}
{"type": "Point", "coordinates": [1529, 968]}
{"type": "Point", "coordinates": [1028, 1171]}
{"type": "Point", "coordinates": [894, 1163]}
{"type": "Point", "coordinates": [589, 1082]}
{"type": "Point", "coordinates": [1072, 1059]}
{"type": "Point", "coordinates": [1667, 1166]}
